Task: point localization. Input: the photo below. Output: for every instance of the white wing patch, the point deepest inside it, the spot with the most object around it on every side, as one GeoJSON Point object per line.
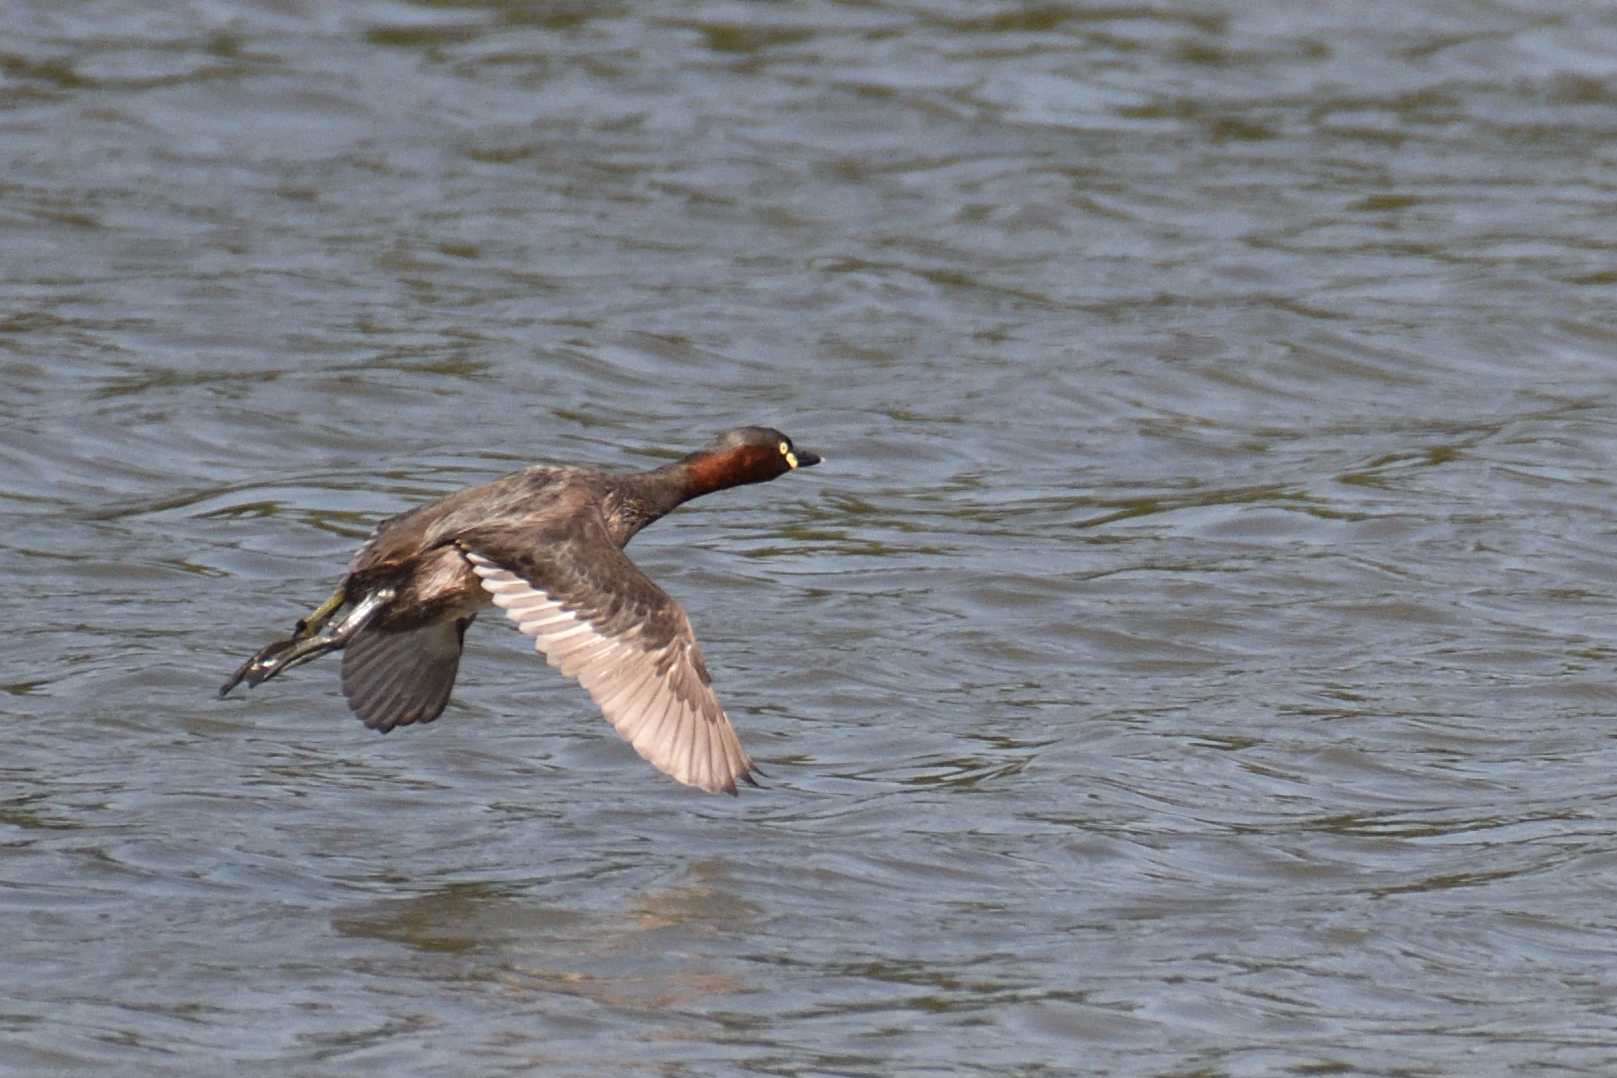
{"type": "Point", "coordinates": [671, 718]}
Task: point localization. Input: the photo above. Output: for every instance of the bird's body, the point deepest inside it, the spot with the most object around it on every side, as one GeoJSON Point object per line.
{"type": "Point", "coordinates": [546, 545]}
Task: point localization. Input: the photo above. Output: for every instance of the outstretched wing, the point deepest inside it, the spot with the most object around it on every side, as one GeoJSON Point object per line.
{"type": "Point", "coordinates": [596, 617]}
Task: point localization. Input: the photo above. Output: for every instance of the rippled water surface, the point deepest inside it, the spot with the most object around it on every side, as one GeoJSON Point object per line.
{"type": "Point", "coordinates": [1194, 657]}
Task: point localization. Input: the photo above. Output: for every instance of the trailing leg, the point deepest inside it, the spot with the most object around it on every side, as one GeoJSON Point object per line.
{"type": "Point", "coordinates": [320, 615]}
{"type": "Point", "coordinates": [301, 647]}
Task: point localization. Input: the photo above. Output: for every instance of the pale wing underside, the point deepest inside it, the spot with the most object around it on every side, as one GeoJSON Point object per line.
{"type": "Point", "coordinates": [651, 692]}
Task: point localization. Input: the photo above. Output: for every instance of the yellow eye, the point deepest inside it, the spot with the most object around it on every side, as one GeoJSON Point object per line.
{"type": "Point", "coordinates": [786, 451]}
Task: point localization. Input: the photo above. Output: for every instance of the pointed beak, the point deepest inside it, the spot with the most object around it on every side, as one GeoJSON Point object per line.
{"type": "Point", "coordinates": [806, 458]}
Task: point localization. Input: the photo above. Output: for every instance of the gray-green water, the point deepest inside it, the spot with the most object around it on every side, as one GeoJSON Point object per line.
{"type": "Point", "coordinates": [1195, 656]}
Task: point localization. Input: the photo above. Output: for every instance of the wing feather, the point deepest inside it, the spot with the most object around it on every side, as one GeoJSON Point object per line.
{"type": "Point", "coordinates": [399, 678]}
{"type": "Point", "coordinates": [628, 644]}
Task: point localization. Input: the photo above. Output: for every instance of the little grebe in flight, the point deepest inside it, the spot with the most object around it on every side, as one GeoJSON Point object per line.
{"type": "Point", "coordinates": [544, 544]}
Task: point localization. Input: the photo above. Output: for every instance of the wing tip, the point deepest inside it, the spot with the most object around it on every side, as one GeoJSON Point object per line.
{"type": "Point", "coordinates": [731, 784]}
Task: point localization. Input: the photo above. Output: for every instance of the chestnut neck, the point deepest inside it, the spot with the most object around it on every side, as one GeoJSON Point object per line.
{"type": "Point", "coordinates": [640, 498]}
{"type": "Point", "coordinates": [703, 473]}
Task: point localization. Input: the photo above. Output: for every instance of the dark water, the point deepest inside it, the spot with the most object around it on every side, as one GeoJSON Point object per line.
{"type": "Point", "coordinates": [1195, 656]}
